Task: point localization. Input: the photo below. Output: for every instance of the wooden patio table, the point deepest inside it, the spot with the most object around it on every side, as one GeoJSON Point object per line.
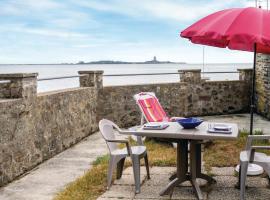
{"type": "Point", "coordinates": [182, 137]}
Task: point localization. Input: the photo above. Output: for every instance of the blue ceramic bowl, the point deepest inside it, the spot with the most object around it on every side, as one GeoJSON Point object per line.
{"type": "Point", "coordinates": [189, 123]}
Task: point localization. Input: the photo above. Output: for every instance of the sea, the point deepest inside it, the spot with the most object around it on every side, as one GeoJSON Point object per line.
{"type": "Point", "coordinates": [50, 71]}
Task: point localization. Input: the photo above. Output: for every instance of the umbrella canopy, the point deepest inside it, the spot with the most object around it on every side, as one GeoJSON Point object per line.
{"type": "Point", "coordinates": [246, 29]}
{"type": "Point", "coordinates": [236, 28]}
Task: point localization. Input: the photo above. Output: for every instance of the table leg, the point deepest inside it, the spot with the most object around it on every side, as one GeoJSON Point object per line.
{"type": "Point", "coordinates": [182, 167]}
{"type": "Point", "coordinates": [195, 167]}
{"type": "Point", "coordinates": [199, 173]}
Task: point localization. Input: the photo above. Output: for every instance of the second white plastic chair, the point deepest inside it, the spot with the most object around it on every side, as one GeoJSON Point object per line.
{"type": "Point", "coordinates": [250, 156]}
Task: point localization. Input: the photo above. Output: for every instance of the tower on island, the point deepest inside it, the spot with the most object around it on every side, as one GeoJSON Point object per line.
{"type": "Point", "coordinates": [155, 59]}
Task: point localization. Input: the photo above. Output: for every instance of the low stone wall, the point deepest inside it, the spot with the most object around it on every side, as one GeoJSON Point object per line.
{"type": "Point", "coordinates": [36, 127]}
{"type": "Point", "coordinates": [190, 97]}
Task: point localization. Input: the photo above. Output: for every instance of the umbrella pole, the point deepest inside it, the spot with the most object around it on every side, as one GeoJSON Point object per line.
{"type": "Point", "coordinates": [252, 105]}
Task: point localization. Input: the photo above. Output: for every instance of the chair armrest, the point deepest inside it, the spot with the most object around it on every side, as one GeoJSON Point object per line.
{"type": "Point", "coordinates": [122, 141]}
{"type": "Point", "coordinates": [260, 147]}
{"type": "Point", "coordinates": [259, 137]}
{"type": "Point", "coordinates": [255, 137]}
{"type": "Point", "coordinates": [254, 148]}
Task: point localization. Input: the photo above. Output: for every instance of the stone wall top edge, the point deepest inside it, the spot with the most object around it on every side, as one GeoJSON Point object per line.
{"type": "Point", "coordinates": [18, 75]}
{"type": "Point", "coordinates": [176, 83]}
{"type": "Point", "coordinates": [63, 91]}
{"type": "Point", "coordinates": [189, 70]}
{"type": "Point", "coordinates": [226, 81]}
{"type": "Point", "coordinates": [141, 85]}
{"type": "Point", "coordinates": [6, 100]}
{"type": "Point", "coordinates": [245, 69]}
{"type": "Point", "coordinates": [91, 72]}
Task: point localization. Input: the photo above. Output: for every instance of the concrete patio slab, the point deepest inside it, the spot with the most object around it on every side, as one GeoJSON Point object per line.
{"type": "Point", "coordinates": [223, 189]}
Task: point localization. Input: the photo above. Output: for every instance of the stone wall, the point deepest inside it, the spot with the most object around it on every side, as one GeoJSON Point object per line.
{"type": "Point", "coordinates": [263, 85]}
{"type": "Point", "coordinates": [190, 97]}
{"type": "Point", "coordinates": [35, 127]}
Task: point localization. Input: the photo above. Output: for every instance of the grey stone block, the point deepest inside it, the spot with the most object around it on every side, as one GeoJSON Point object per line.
{"type": "Point", "coordinates": [226, 181]}
{"type": "Point", "coordinates": [186, 193]}
{"type": "Point", "coordinates": [224, 193]}
{"type": "Point", "coordinates": [151, 192]}
{"type": "Point", "coordinates": [128, 180]}
{"type": "Point", "coordinates": [120, 191]}
{"type": "Point", "coordinates": [223, 171]}
{"type": "Point", "coordinates": [163, 170]}
{"type": "Point", "coordinates": [129, 171]}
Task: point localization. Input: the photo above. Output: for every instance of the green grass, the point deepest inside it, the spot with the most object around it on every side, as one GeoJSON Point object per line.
{"type": "Point", "coordinates": [219, 154]}
{"type": "Point", "coordinates": [91, 185]}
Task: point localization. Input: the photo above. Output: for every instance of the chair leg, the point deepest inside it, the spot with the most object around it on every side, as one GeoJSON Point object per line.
{"type": "Point", "coordinates": [110, 171]}
{"type": "Point", "coordinates": [120, 167]}
{"type": "Point", "coordinates": [244, 167]}
{"type": "Point", "coordinates": [147, 165]}
{"type": "Point", "coordinates": [136, 172]}
{"type": "Point", "coordinates": [267, 170]}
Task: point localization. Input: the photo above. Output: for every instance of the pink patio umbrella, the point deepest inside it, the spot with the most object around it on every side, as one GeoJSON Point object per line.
{"type": "Point", "coordinates": [245, 29]}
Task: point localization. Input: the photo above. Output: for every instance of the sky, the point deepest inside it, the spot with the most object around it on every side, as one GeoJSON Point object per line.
{"type": "Point", "coordinates": [69, 31]}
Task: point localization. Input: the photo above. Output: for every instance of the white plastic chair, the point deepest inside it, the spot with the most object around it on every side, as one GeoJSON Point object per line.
{"type": "Point", "coordinates": [250, 156]}
{"type": "Point", "coordinates": [118, 156]}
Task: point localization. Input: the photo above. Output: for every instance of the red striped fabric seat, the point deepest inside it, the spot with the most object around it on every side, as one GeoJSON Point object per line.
{"type": "Point", "coordinates": [152, 109]}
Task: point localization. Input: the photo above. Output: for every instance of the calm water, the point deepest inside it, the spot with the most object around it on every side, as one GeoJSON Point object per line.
{"type": "Point", "coordinates": [67, 70]}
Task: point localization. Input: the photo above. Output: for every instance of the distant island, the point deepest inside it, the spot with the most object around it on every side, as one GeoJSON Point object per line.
{"type": "Point", "coordinates": [154, 61]}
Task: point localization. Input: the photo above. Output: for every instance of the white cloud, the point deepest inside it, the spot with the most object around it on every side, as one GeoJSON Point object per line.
{"type": "Point", "coordinates": [168, 10]}
{"type": "Point", "coordinates": [54, 33]}
{"type": "Point", "coordinates": [20, 28]}
{"type": "Point", "coordinates": [23, 7]}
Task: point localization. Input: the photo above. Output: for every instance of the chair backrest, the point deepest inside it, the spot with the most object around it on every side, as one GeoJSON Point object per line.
{"type": "Point", "coordinates": [150, 107]}
{"type": "Point", "coordinates": [106, 128]}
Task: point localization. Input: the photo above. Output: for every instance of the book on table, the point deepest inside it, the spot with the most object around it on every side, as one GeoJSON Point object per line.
{"type": "Point", "coordinates": [155, 126]}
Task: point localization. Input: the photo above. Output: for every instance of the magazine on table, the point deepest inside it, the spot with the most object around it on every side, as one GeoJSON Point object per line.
{"type": "Point", "coordinates": [155, 126]}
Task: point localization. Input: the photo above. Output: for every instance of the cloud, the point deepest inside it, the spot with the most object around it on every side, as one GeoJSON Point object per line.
{"type": "Point", "coordinates": [21, 28]}
{"type": "Point", "coordinates": [53, 33]}
{"type": "Point", "coordinates": [168, 10]}
{"type": "Point", "coordinates": [25, 7]}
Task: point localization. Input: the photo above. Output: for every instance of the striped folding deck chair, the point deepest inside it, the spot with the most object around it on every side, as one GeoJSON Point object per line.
{"type": "Point", "coordinates": [151, 109]}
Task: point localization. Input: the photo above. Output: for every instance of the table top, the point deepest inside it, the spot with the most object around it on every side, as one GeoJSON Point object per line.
{"type": "Point", "coordinates": [176, 131]}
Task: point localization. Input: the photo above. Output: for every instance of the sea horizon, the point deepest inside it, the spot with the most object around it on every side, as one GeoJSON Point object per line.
{"type": "Point", "coordinates": [63, 70]}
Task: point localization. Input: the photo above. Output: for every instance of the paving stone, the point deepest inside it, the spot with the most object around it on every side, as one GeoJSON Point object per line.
{"type": "Point", "coordinates": [151, 192]}
{"type": "Point", "coordinates": [257, 182]}
{"type": "Point", "coordinates": [128, 180]}
{"type": "Point", "coordinates": [257, 193]}
{"type": "Point", "coordinates": [129, 171]}
{"type": "Point", "coordinates": [120, 191]}
{"type": "Point", "coordinates": [226, 181]}
{"type": "Point", "coordinates": [186, 193]}
{"type": "Point", "coordinates": [162, 170]}
{"type": "Point", "coordinates": [158, 180]}
{"type": "Point", "coordinates": [221, 193]}
{"type": "Point", "coordinates": [223, 171]}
